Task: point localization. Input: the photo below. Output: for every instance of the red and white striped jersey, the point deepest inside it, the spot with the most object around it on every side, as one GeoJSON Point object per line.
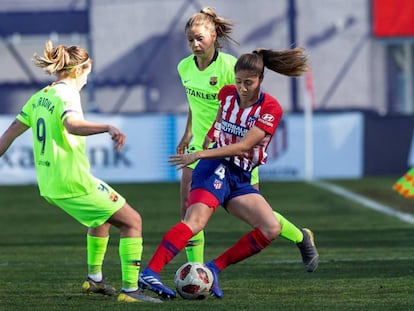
{"type": "Point", "coordinates": [265, 114]}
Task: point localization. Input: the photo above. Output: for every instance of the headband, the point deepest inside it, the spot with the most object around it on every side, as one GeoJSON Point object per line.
{"type": "Point", "coordinates": [73, 66]}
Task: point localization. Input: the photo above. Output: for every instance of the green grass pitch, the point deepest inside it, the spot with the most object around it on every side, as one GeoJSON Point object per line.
{"type": "Point", "coordinates": [366, 258]}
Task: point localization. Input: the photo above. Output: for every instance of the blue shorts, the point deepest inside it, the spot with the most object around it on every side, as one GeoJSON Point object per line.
{"type": "Point", "coordinates": [222, 179]}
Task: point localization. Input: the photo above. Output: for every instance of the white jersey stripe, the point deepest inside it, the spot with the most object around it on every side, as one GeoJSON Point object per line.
{"type": "Point", "coordinates": [236, 122]}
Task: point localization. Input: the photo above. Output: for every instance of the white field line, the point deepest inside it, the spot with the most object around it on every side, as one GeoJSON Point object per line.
{"type": "Point", "coordinates": [405, 217]}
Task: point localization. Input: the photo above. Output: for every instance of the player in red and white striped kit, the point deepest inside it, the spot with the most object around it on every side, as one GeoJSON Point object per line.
{"type": "Point", "coordinates": [234, 121]}
{"type": "Point", "coordinates": [245, 124]}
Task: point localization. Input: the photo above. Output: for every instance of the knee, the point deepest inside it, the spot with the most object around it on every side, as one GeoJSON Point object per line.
{"type": "Point", "coordinates": [272, 231]}
{"type": "Point", "coordinates": [128, 221]}
{"type": "Point", "coordinates": [135, 221]}
{"type": "Point", "coordinates": [132, 227]}
{"type": "Point", "coordinates": [195, 226]}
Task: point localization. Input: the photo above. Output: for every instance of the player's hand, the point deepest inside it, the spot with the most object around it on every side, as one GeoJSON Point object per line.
{"type": "Point", "coordinates": [183, 145]}
{"type": "Point", "coordinates": [207, 142]}
{"type": "Point", "coordinates": [181, 148]}
{"type": "Point", "coordinates": [183, 160]}
{"type": "Point", "coordinates": [118, 137]}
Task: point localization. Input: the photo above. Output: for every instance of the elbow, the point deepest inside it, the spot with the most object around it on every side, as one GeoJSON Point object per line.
{"type": "Point", "coordinates": [245, 147]}
{"type": "Point", "coordinates": [71, 129]}
{"type": "Point", "coordinates": [241, 151]}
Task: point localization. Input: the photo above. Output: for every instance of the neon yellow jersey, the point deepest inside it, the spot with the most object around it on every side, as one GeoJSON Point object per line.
{"type": "Point", "coordinates": [62, 168]}
{"type": "Point", "coordinates": [202, 88]}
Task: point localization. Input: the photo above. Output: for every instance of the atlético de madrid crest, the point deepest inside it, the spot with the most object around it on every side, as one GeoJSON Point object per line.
{"type": "Point", "coordinates": [213, 80]}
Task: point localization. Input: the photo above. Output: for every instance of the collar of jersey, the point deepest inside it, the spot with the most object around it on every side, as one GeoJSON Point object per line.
{"type": "Point", "coordinates": [257, 102]}
{"type": "Point", "coordinates": [212, 60]}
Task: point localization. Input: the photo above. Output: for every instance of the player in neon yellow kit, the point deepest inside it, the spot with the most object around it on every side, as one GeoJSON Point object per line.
{"type": "Point", "coordinates": [203, 74]}
{"type": "Point", "coordinates": [55, 116]}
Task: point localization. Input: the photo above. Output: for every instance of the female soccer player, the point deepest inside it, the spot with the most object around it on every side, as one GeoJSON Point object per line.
{"type": "Point", "coordinates": [55, 116]}
{"type": "Point", "coordinates": [246, 122]}
{"type": "Point", "coordinates": [203, 74]}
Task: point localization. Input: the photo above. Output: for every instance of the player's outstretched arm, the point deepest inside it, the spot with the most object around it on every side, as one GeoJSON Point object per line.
{"type": "Point", "coordinates": [253, 137]}
{"type": "Point", "coordinates": [15, 129]}
{"type": "Point", "coordinates": [82, 127]}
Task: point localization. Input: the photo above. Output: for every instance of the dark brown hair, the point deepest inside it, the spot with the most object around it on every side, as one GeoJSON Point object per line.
{"type": "Point", "coordinates": [290, 63]}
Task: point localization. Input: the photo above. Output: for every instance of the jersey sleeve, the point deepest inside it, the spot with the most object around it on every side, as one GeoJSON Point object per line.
{"type": "Point", "coordinates": [225, 91]}
{"type": "Point", "coordinates": [24, 114]}
{"type": "Point", "coordinates": [24, 118]}
{"type": "Point", "coordinates": [71, 104]}
{"type": "Point", "coordinates": [270, 115]}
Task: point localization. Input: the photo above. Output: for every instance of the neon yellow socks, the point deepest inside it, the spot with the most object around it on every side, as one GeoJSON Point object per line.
{"type": "Point", "coordinates": [195, 248]}
{"type": "Point", "coordinates": [288, 230]}
{"type": "Point", "coordinates": [96, 249]}
{"type": "Point", "coordinates": [130, 252]}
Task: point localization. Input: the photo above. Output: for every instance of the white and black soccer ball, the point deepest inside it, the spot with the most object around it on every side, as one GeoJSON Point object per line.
{"type": "Point", "coordinates": [193, 280]}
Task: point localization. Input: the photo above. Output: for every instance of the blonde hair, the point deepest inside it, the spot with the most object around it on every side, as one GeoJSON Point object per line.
{"type": "Point", "coordinates": [61, 59]}
{"type": "Point", "coordinates": [290, 63]}
{"type": "Point", "coordinates": [209, 18]}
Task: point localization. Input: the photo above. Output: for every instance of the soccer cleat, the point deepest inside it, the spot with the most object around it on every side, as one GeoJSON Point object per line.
{"type": "Point", "coordinates": [148, 279]}
{"type": "Point", "coordinates": [91, 287]}
{"type": "Point", "coordinates": [310, 256]}
{"type": "Point", "coordinates": [215, 288]}
{"type": "Point", "coordinates": [137, 296]}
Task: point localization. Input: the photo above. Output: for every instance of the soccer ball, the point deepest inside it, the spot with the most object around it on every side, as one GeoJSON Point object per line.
{"type": "Point", "coordinates": [193, 280]}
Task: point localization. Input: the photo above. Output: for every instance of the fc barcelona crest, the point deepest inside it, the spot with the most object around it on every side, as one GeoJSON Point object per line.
{"type": "Point", "coordinates": [213, 80]}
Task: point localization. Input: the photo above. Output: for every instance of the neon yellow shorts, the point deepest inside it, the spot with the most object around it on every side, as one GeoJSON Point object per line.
{"type": "Point", "coordinates": [255, 176]}
{"type": "Point", "coordinates": [191, 149]}
{"type": "Point", "coordinates": [93, 209]}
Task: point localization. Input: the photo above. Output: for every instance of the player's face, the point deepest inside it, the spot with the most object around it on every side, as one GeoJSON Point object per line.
{"type": "Point", "coordinates": [201, 41]}
{"type": "Point", "coordinates": [248, 87]}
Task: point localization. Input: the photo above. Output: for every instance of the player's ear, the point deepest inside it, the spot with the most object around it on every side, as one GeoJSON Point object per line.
{"type": "Point", "coordinates": [78, 71]}
{"type": "Point", "coordinates": [214, 36]}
